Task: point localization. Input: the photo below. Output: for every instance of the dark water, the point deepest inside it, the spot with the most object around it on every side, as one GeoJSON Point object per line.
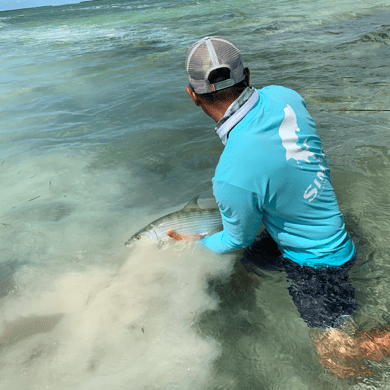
{"type": "Point", "coordinates": [98, 138]}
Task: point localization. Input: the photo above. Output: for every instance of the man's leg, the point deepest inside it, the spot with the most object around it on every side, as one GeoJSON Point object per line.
{"type": "Point", "coordinates": [325, 300]}
{"type": "Point", "coordinates": [343, 352]}
{"type": "Point", "coordinates": [323, 296]}
{"type": "Point", "coordinates": [263, 253]}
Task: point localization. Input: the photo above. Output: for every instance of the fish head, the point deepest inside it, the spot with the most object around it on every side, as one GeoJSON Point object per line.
{"type": "Point", "coordinates": [142, 236]}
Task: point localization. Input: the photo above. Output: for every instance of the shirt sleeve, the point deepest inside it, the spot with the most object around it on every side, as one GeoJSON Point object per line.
{"type": "Point", "coordinates": [241, 212]}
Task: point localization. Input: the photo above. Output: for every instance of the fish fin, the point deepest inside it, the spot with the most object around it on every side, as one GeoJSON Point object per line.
{"type": "Point", "coordinates": [175, 236]}
{"type": "Point", "coordinates": [188, 237]}
{"type": "Point", "coordinates": [192, 204]}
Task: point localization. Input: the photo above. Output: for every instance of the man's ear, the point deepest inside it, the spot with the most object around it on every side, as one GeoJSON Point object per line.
{"type": "Point", "coordinates": [247, 75]}
{"type": "Point", "coordinates": [193, 95]}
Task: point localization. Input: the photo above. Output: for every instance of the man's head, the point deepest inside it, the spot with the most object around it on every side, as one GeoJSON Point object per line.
{"type": "Point", "coordinates": [216, 75]}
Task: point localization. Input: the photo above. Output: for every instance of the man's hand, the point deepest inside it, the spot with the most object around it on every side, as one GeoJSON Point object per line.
{"type": "Point", "coordinates": [180, 237]}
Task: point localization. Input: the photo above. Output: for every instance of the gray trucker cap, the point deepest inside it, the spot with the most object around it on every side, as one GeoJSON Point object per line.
{"type": "Point", "coordinates": [212, 53]}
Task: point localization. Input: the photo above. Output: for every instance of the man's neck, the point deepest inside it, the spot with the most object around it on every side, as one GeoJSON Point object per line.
{"type": "Point", "coordinates": [235, 112]}
{"type": "Point", "coordinates": [217, 110]}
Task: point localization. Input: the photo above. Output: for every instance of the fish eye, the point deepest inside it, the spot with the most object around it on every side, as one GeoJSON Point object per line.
{"type": "Point", "coordinates": [137, 237]}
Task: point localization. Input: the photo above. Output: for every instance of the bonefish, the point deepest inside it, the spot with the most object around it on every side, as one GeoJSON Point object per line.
{"type": "Point", "coordinates": [189, 221]}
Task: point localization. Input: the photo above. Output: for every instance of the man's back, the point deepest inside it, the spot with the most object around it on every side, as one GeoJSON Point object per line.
{"type": "Point", "coordinates": [275, 154]}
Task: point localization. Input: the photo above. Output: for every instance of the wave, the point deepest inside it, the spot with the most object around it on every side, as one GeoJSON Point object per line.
{"type": "Point", "coordinates": [380, 36]}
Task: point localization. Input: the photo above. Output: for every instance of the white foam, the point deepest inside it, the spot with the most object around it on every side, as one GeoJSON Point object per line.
{"type": "Point", "coordinates": [125, 329]}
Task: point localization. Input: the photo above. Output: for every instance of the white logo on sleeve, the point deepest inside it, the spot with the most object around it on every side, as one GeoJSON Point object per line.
{"type": "Point", "coordinates": [287, 132]}
{"type": "Point", "coordinates": [310, 192]}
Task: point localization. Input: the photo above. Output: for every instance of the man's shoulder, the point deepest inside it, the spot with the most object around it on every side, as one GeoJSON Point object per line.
{"type": "Point", "coordinates": [278, 89]}
{"type": "Point", "coordinates": [282, 94]}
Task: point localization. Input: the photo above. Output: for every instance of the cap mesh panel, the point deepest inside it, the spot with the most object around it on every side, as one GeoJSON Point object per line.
{"type": "Point", "coordinates": [199, 63]}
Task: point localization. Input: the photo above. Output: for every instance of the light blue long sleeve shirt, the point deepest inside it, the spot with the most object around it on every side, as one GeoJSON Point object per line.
{"type": "Point", "coordinates": [273, 170]}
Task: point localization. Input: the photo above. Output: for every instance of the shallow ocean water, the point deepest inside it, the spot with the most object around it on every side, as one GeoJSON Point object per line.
{"type": "Point", "coordinates": [98, 138]}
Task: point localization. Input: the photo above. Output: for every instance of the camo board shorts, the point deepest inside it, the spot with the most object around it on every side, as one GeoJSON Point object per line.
{"type": "Point", "coordinates": [323, 296]}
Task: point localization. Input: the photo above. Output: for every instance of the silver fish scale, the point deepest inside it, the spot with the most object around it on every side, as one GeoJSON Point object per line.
{"type": "Point", "coordinates": [191, 222]}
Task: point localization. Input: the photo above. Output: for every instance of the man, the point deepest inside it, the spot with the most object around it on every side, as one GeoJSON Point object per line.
{"type": "Point", "coordinates": [273, 170]}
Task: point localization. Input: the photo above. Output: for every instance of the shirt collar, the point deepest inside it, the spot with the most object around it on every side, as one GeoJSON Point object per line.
{"type": "Point", "coordinates": [236, 111]}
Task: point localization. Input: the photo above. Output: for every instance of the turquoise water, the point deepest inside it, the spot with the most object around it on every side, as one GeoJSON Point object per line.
{"type": "Point", "coordinates": [98, 138]}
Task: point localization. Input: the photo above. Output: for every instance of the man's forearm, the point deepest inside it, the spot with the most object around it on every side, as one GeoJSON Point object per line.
{"type": "Point", "coordinates": [223, 243]}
